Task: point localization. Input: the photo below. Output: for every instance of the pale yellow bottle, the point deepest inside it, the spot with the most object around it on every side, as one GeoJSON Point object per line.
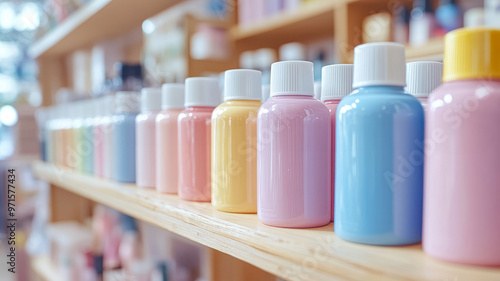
{"type": "Point", "coordinates": [234, 143]}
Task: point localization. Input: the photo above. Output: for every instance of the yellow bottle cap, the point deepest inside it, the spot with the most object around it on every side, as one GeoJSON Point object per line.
{"type": "Point", "coordinates": [472, 53]}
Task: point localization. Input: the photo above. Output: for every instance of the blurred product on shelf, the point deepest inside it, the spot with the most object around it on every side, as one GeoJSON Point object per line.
{"type": "Point", "coordinates": [131, 77]}
{"type": "Point", "coordinates": [449, 16]}
{"type": "Point", "coordinates": [461, 196]}
{"type": "Point", "coordinates": [401, 25]}
{"type": "Point", "coordinates": [379, 152]}
{"type": "Point", "coordinates": [194, 129]}
{"type": "Point", "coordinates": [293, 151]}
{"type": "Point", "coordinates": [266, 93]}
{"type": "Point", "coordinates": [234, 143]}
{"type": "Point", "coordinates": [474, 17]}
{"type": "Point", "coordinates": [422, 78]}
{"type": "Point", "coordinates": [422, 22]}
{"type": "Point", "coordinates": [145, 137]}
{"type": "Point", "coordinates": [292, 51]}
{"type": "Point", "coordinates": [263, 59]}
{"type": "Point", "coordinates": [107, 128]}
{"type": "Point", "coordinates": [492, 13]}
{"type": "Point", "coordinates": [167, 169]}
{"type": "Point", "coordinates": [336, 84]}
{"type": "Point", "coordinates": [209, 43]}
{"type": "Point", "coordinates": [377, 28]}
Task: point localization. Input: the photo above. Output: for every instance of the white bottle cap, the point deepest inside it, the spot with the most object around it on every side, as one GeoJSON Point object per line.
{"type": "Point", "coordinates": [127, 102]}
{"type": "Point", "coordinates": [336, 81]}
{"type": "Point", "coordinates": [150, 99]}
{"type": "Point", "coordinates": [247, 60]}
{"type": "Point", "coordinates": [292, 51]}
{"type": "Point", "coordinates": [202, 91]}
{"type": "Point", "coordinates": [242, 84]}
{"type": "Point", "coordinates": [423, 77]}
{"type": "Point", "coordinates": [379, 64]}
{"type": "Point", "coordinates": [292, 78]}
{"type": "Point", "coordinates": [264, 58]}
{"type": "Point", "coordinates": [172, 95]}
{"type": "Point", "coordinates": [266, 92]}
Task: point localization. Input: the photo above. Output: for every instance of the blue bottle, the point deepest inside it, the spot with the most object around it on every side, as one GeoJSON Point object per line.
{"type": "Point", "coordinates": [127, 108]}
{"type": "Point", "coordinates": [449, 15]}
{"type": "Point", "coordinates": [379, 152]}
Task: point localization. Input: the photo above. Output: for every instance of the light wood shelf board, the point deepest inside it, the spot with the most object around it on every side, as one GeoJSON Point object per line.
{"type": "Point", "coordinates": [432, 50]}
{"type": "Point", "coordinates": [292, 254]}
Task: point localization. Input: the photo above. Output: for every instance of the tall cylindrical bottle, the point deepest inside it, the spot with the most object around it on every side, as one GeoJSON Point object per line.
{"type": "Point", "coordinates": [88, 137]}
{"type": "Point", "coordinates": [127, 108]}
{"type": "Point", "coordinates": [422, 77]}
{"type": "Point", "coordinates": [234, 143]}
{"type": "Point", "coordinates": [99, 137]}
{"type": "Point", "coordinates": [166, 138]}
{"type": "Point", "coordinates": [336, 83]}
{"type": "Point", "coordinates": [293, 151]}
{"type": "Point", "coordinates": [194, 123]}
{"type": "Point", "coordinates": [145, 136]}
{"type": "Point", "coordinates": [107, 137]}
{"type": "Point", "coordinates": [379, 152]}
{"type": "Point", "coordinates": [462, 157]}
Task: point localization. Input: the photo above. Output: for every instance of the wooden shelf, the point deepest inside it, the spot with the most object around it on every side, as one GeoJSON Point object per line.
{"type": "Point", "coordinates": [95, 21]}
{"type": "Point", "coordinates": [292, 254]}
{"type": "Point", "coordinates": [44, 269]}
{"type": "Point", "coordinates": [432, 50]}
{"type": "Point", "coordinates": [311, 20]}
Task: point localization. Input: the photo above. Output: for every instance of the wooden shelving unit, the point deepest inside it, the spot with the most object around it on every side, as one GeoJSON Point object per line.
{"type": "Point", "coordinates": [292, 254]}
{"type": "Point", "coordinates": [44, 269]}
{"type": "Point", "coordinates": [97, 20]}
{"type": "Point", "coordinates": [432, 50]}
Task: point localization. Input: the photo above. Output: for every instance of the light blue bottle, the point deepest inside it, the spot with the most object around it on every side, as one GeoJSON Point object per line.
{"type": "Point", "coordinates": [379, 152]}
{"type": "Point", "coordinates": [127, 108]}
{"type": "Point", "coordinates": [88, 137]}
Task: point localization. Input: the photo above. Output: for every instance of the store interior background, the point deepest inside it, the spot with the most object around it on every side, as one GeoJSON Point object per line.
{"type": "Point", "coordinates": [59, 51]}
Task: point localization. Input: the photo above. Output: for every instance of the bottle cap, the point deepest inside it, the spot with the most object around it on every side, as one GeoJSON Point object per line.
{"type": "Point", "coordinates": [379, 64]}
{"type": "Point", "coordinates": [292, 78]}
{"type": "Point", "coordinates": [264, 58]}
{"type": "Point", "coordinates": [472, 53]}
{"type": "Point", "coordinates": [202, 91]}
{"type": "Point", "coordinates": [242, 84]}
{"type": "Point", "coordinates": [336, 81]}
{"type": "Point", "coordinates": [150, 99]}
{"type": "Point", "coordinates": [292, 51]}
{"type": "Point", "coordinates": [172, 95]}
{"type": "Point", "coordinates": [423, 77]}
{"type": "Point", "coordinates": [127, 102]}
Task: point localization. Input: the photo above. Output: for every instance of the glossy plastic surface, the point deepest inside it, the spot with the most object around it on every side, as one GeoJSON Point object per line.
{"type": "Point", "coordinates": [293, 162]}
{"type": "Point", "coordinates": [166, 151]}
{"type": "Point", "coordinates": [332, 108]}
{"type": "Point", "coordinates": [98, 149]}
{"type": "Point", "coordinates": [462, 179]}
{"type": "Point", "coordinates": [146, 149]}
{"type": "Point", "coordinates": [124, 147]}
{"type": "Point", "coordinates": [234, 156]}
{"type": "Point", "coordinates": [379, 167]}
{"type": "Point", "coordinates": [194, 125]}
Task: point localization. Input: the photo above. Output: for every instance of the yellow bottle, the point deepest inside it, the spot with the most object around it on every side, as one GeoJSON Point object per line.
{"type": "Point", "coordinates": [234, 143]}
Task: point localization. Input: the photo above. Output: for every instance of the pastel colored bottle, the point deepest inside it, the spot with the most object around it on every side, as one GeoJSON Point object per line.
{"type": "Point", "coordinates": [72, 135]}
{"type": "Point", "coordinates": [146, 137]}
{"type": "Point", "coordinates": [107, 138]}
{"type": "Point", "coordinates": [98, 134]}
{"type": "Point", "coordinates": [379, 152]}
{"type": "Point", "coordinates": [88, 137]}
{"type": "Point", "coordinates": [336, 83]}
{"type": "Point", "coordinates": [293, 151]}
{"type": "Point", "coordinates": [234, 143]}
{"type": "Point", "coordinates": [422, 78]}
{"type": "Point", "coordinates": [127, 108]}
{"type": "Point", "coordinates": [194, 125]}
{"type": "Point", "coordinates": [461, 210]}
{"type": "Point", "coordinates": [166, 138]}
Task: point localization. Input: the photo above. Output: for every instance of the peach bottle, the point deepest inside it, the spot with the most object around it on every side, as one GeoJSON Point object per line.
{"type": "Point", "coordinates": [202, 96]}
{"type": "Point", "coordinates": [145, 137]}
{"type": "Point", "coordinates": [166, 138]}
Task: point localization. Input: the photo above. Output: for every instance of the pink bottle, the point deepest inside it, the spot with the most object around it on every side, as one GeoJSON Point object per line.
{"type": "Point", "coordinates": [99, 138]}
{"type": "Point", "coordinates": [293, 151]}
{"type": "Point", "coordinates": [194, 123]}
{"type": "Point", "coordinates": [107, 138]}
{"type": "Point", "coordinates": [462, 153]}
{"type": "Point", "coordinates": [145, 137]}
{"type": "Point", "coordinates": [166, 138]}
{"type": "Point", "coordinates": [336, 83]}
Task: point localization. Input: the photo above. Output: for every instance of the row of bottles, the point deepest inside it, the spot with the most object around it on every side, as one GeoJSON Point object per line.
{"type": "Point", "coordinates": [356, 157]}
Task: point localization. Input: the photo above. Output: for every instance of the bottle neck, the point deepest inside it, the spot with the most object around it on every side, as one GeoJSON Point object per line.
{"type": "Point", "coordinates": [382, 87]}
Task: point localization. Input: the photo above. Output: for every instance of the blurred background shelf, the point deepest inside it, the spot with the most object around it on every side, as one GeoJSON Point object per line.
{"type": "Point", "coordinates": [316, 254]}
{"type": "Point", "coordinates": [432, 50]}
{"type": "Point", "coordinates": [43, 268]}
{"type": "Point", "coordinates": [95, 21]}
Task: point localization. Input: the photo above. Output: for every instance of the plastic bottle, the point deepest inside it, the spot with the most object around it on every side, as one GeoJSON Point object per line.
{"type": "Point", "coordinates": [234, 143]}
{"type": "Point", "coordinates": [145, 137]}
{"type": "Point", "coordinates": [422, 22]}
{"type": "Point", "coordinates": [462, 214]}
{"type": "Point", "coordinates": [379, 152]}
{"type": "Point", "coordinates": [88, 137]}
{"type": "Point", "coordinates": [73, 134]}
{"type": "Point", "coordinates": [107, 129]}
{"type": "Point", "coordinates": [194, 125]}
{"type": "Point", "coordinates": [449, 15]}
{"type": "Point", "coordinates": [336, 84]}
{"type": "Point", "coordinates": [293, 151]}
{"type": "Point", "coordinates": [166, 138]}
{"type": "Point", "coordinates": [422, 78]}
{"type": "Point", "coordinates": [127, 108]}
{"type": "Point", "coordinates": [99, 137]}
